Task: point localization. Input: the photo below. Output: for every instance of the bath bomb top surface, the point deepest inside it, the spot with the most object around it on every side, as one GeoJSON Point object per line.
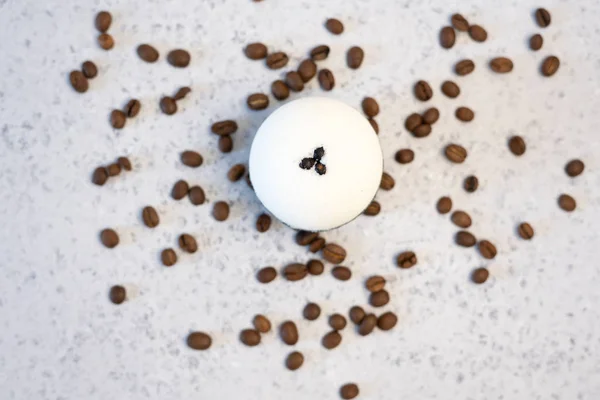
{"type": "Point", "coordinates": [330, 192]}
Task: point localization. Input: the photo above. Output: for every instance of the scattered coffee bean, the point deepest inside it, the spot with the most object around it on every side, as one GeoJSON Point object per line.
{"type": "Point", "coordinates": [277, 60]}
{"type": "Point", "coordinates": [223, 128]}
{"type": "Point", "coordinates": [103, 21]}
{"type": "Point", "coordinates": [349, 391]}
{"type": "Point", "coordinates": [199, 341]}
{"type": "Point", "coordinates": [187, 243]}
{"type": "Point", "coordinates": [334, 26]}
{"type": "Point", "coordinates": [117, 119]}
{"type": "Point", "coordinates": [536, 42]}
{"type": "Point", "coordinates": [311, 311]}
{"type": "Point", "coordinates": [450, 89]}
{"type": "Point", "coordinates": [317, 245]}
{"type": "Point", "coordinates": [263, 223]}
{"type": "Point", "coordinates": [431, 116]}
{"type": "Point", "coordinates": [447, 37]}
{"type": "Point", "coordinates": [455, 153]}
{"type": "Point", "coordinates": [334, 253]}
{"type": "Point", "coordinates": [542, 17]}
{"type": "Point", "coordinates": [460, 23]}
{"type": "Point", "coordinates": [413, 121]}
{"type": "Point", "coordinates": [280, 90]}
{"type": "Point", "coordinates": [179, 58]}
{"type": "Point", "coordinates": [113, 169]}
{"type": "Point", "coordinates": [168, 257]}
{"type": "Point", "coordinates": [304, 238]}
{"type": "Point", "coordinates": [319, 53]}
{"type": "Point", "coordinates": [375, 283]}
{"type": "Point", "coordinates": [197, 196]}
{"type": "Point", "coordinates": [367, 324]}
{"type": "Point", "coordinates": [501, 65]}
{"type": "Point", "coordinates": [374, 125]}
{"type": "Point", "coordinates": [370, 107]}
{"type": "Point", "coordinates": [372, 209]}
{"type": "Point", "coordinates": [125, 163]}
{"type": "Point", "coordinates": [315, 267]}
{"type": "Point", "coordinates": [307, 70]}
{"type": "Point", "coordinates": [150, 217]}
{"type": "Point", "coordinates": [461, 219]}
{"type": "Point", "coordinates": [387, 182]}
{"type": "Point", "coordinates": [295, 272]}
{"type": "Point", "coordinates": [355, 57]}
{"type": "Point", "coordinates": [220, 210]}
{"type": "Point", "coordinates": [406, 259]}
{"type": "Point", "coordinates": [106, 41]}
{"type": "Point", "coordinates": [550, 65]}
{"type": "Point", "coordinates": [225, 144]}
{"type": "Point", "coordinates": [341, 273]}
{"type": "Point", "coordinates": [191, 158]}
{"type": "Point", "coordinates": [356, 314]}
{"type": "Point", "coordinates": [464, 67]}
{"type": "Point", "coordinates": [117, 294]}
{"type": "Point", "coordinates": [147, 53]}
{"type": "Point", "coordinates": [180, 190]}
{"type": "Point", "coordinates": [331, 340]}
{"type": "Point", "coordinates": [465, 239]}
{"type": "Point", "coordinates": [294, 81]}
{"type": "Point", "coordinates": [423, 91]}
{"type": "Point", "coordinates": [256, 51]}
{"type": "Point", "coordinates": [387, 321]}
{"type": "Point", "coordinates": [444, 205]}
{"type": "Point", "coordinates": [517, 146]}
{"type": "Point", "coordinates": [326, 79]}
{"type": "Point", "coordinates": [307, 163]}
{"type": "Point", "coordinates": [132, 108]}
{"type": "Point", "coordinates": [78, 81]}
{"type": "Point", "coordinates": [480, 275]}
{"type": "Point", "coordinates": [266, 274]}
{"type": "Point", "coordinates": [567, 202]}
{"type": "Point", "coordinates": [100, 176]}
{"type": "Point", "coordinates": [405, 156]}
{"type": "Point", "coordinates": [422, 131]}
{"type": "Point", "coordinates": [337, 322]}
{"type": "Point", "coordinates": [236, 172]}
{"type": "Point", "coordinates": [319, 153]}
{"type": "Point", "coordinates": [487, 249]}
{"type": "Point", "coordinates": [109, 238]}
{"type": "Point", "coordinates": [168, 105]}
{"type": "Point", "coordinates": [181, 93]}
{"type": "Point", "coordinates": [261, 323]}
{"type": "Point", "coordinates": [471, 183]}
{"type": "Point", "coordinates": [257, 101]}
{"type": "Point", "coordinates": [477, 33]}
{"type": "Point", "coordinates": [250, 337]}
{"type": "Point", "coordinates": [574, 168]}
{"type": "Point", "coordinates": [525, 231]}
{"type": "Point", "coordinates": [294, 360]}
{"type": "Point", "coordinates": [288, 333]}
{"type": "Point", "coordinates": [89, 69]}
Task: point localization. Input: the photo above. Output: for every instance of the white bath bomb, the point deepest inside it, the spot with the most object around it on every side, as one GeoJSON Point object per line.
{"type": "Point", "coordinates": [300, 194]}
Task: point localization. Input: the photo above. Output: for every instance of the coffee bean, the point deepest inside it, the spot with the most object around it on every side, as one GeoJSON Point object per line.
{"type": "Point", "coordinates": [197, 196]}
{"type": "Point", "coordinates": [220, 211]}
{"type": "Point", "coordinates": [356, 314]}
{"type": "Point", "coordinates": [319, 153]}
{"type": "Point", "coordinates": [168, 257]}
{"type": "Point", "coordinates": [550, 65]}
{"type": "Point", "coordinates": [315, 267]}
{"type": "Point", "coordinates": [100, 176]}
{"type": "Point", "coordinates": [250, 337]}
{"type": "Point", "coordinates": [295, 272]}
{"type": "Point", "coordinates": [525, 231]}
{"type": "Point", "coordinates": [117, 294]}
{"type": "Point", "coordinates": [334, 253]}
{"type": "Point", "coordinates": [387, 182]}
{"type": "Point", "coordinates": [181, 93]}
{"type": "Point", "coordinates": [487, 249]}
{"type": "Point", "coordinates": [455, 153]}
{"type": "Point", "coordinates": [422, 131]}
{"type": "Point", "coordinates": [180, 190]}
{"type": "Point", "coordinates": [337, 322]}
{"type": "Point", "coordinates": [464, 67]}
{"type": "Point", "coordinates": [370, 107]}
{"type": "Point", "coordinates": [199, 341]}
{"type": "Point", "coordinates": [405, 156]}
{"type": "Point", "coordinates": [307, 70]}
{"type": "Point", "coordinates": [147, 53]}
{"type": "Point", "coordinates": [461, 219]}
{"type": "Point", "coordinates": [187, 243]}
{"type": "Point", "coordinates": [89, 69]}
{"type": "Point", "coordinates": [294, 360]}
{"type": "Point", "coordinates": [78, 81]}
{"type": "Point", "coordinates": [319, 53]}
{"type": "Point", "coordinates": [431, 116]}
{"type": "Point", "coordinates": [117, 119]}
{"type": "Point", "coordinates": [103, 21]}
{"type": "Point", "coordinates": [355, 57]}
{"type": "Point", "coordinates": [225, 144]}
{"type": "Point", "coordinates": [294, 81]}
{"type": "Point", "coordinates": [413, 121]}
{"type": "Point", "coordinates": [317, 245]}
{"type": "Point", "coordinates": [261, 323]}
{"type": "Point", "coordinates": [471, 183]}
{"type": "Point", "coordinates": [480, 275]}
{"type": "Point", "coordinates": [331, 340]}
{"type": "Point", "coordinates": [326, 79]}
{"type": "Point", "coordinates": [406, 259]}
{"type": "Point", "coordinates": [257, 101]}
{"type": "Point", "coordinates": [256, 51]}
{"type": "Point", "coordinates": [266, 274]}
{"type": "Point", "coordinates": [574, 168]}
{"type": "Point", "coordinates": [367, 324]}
{"type": "Point", "coordinates": [477, 33]}
{"type": "Point", "coordinates": [517, 146]}
{"type": "Point", "coordinates": [423, 91]}
{"type": "Point", "coordinates": [304, 238]}
{"type": "Point", "coordinates": [191, 158]}
{"type": "Point", "coordinates": [444, 205]}
{"type": "Point", "coordinates": [460, 23]}
{"type": "Point", "coordinates": [447, 37]}
{"type": "Point", "coordinates": [263, 223]}
{"type": "Point", "coordinates": [501, 65]}
{"type": "Point", "coordinates": [567, 202]}
{"type": "Point", "coordinates": [311, 311]}
{"type": "Point", "coordinates": [132, 108]}
{"type": "Point", "coordinates": [465, 239]}
{"type": "Point", "coordinates": [387, 321]}
{"type": "Point", "coordinates": [372, 209]}
{"type": "Point", "coordinates": [106, 41]}
{"type": "Point", "coordinates": [288, 333]}
{"type": "Point", "coordinates": [375, 283]}
{"type": "Point", "coordinates": [542, 17]}
{"type": "Point", "coordinates": [236, 172]}
{"type": "Point", "coordinates": [341, 273]}
{"type": "Point", "coordinates": [109, 238]}
{"type": "Point", "coordinates": [150, 217]}
{"type": "Point", "coordinates": [113, 169]}
{"type": "Point", "coordinates": [349, 391]}
{"type": "Point", "coordinates": [280, 90]}
{"type": "Point", "coordinates": [277, 60]}
{"type": "Point", "coordinates": [334, 26]}
{"type": "Point", "coordinates": [179, 58]}
{"type": "Point", "coordinates": [223, 128]}
{"type": "Point", "coordinates": [168, 105]}
{"type": "Point", "coordinates": [536, 42]}
{"type": "Point", "coordinates": [450, 89]}
{"type": "Point", "coordinates": [374, 125]}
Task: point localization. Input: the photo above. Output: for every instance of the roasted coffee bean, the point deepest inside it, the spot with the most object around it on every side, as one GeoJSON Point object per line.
{"type": "Point", "coordinates": [407, 259]}
{"type": "Point", "coordinates": [326, 79]}
{"type": "Point", "coordinates": [455, 153]}
{"type": "Point", "coordinates": [113, 169]}
{"type": "Point", "coordinates": [525, 231]}
{"type": "Point", "coordinates": [261, 323]}
{"type": "Point", "coordinates": [387, 182]}
{"type": "Point", "coordinates": [450, 89]}
{"type": "Point", "coordinates": [294, 360]}
{"type": "Point", "coordinates": [106, 41]}
{"type": "Point", "coordinates": [125, 163]}
{"type": "Point", "coordinates": [444, 205]}
{"type": "Point", "coordinates": [574, 168]}
{"type": "Point", "coordinates": [405, 156]}
{"type": "Point", "coordinates": [277, 60]}
{"type": "Point", "coordinates": [423, 91]}
{"type": "Point", "coordinates": [257, 101]}
{"type": "Point", "coordinates": [341, 273]}
{"type": "Point", "coordinates": [317, 245]}
{"type": "Point", "coordinates": [375, 283]}
{"type": "Point", "coordinates": [199, 341]}
{"type": "Point", "coordinates": [150, 217]}
{"type": "Point", "coordinates": [349, 391]}
{"type": "Point", "coordinates": [168, 105]}
{"type": "Point", "coordinates": [197, 196]}
{"type": "Point", "coordinates": [370, 107]}
{"type": "Point", "coordinates": [256, 51]}
{"type": "Point", "coordinates": [168, 257]}
{"type": "Point", "coordinates": [387, 321]}
{"type": "Point", "coordinates": [337, 322]}
{"type": "Point", "coordinates": [225, 144]}
{"type": "Point", "coordinates": [288, 333]}
{"type": "Point", "coordinates": [132, 108]}
{"type": "Point", "coordinates": [542, 17]}
{"type": "Point", "coordinates": [334, 26]}
{"type": "Point", "coordinates": [477, 33]}
{"type": "Point", "coordinates": [181, 93]}
{"type": "Point", "coordinates": [250, 337]}
{"type": "Point", "coordinates": [307, 70]}
{"type": "Point", "coordinates": [461, 219]}
{"type": "Point", "coordinates": [471, 183]}
{"type": "Point", "coordinates": [78, 81]}
{"type": "Point", "coordinates": [294, 81]}
{"type": "Point", "coordinates": [536, 42]}
{"type": "Point", "coordinates": [355, 57]}
{"type": "Point", "coordinates": [460, 23]}
{"type": "Point", "coordinates": [117, 294]}
{"type": "Point", "coordinates": [501, 65]}
{"type": "Point", "coordinates": [220, 210]}
{"type": "Point", "coordinates": [465, 239]}
{"type": "Point", "coordinates": [356, 314]}
{"type": "Point", "coordinates": [304, 238]}
{"type": "Point", "coordinates": [331, 340]}
{"type": "Point", "coordinates": [422, 131]}
{"type": "Point", "coordinates": [266, 274]}
{"type": "Point", "coordinates": [263, 223]}
{"type": "Point", "coordinates": [517, 146]}
{"type": "Point", "coordinates": [367, 324]}
{"type": "Point", "coordinates": [374, 125]}
{"type": "Point", "coordinates": [187, 243]}
{"type": "Point", "coordinates": [413, 121]}
{"type": "Point", "coordinates": [179, 58]}
{"type": "Point", "coordinates": [236, 172]}
{"type": "Point", "coordinates": [550, 65]}
{"type": "Point", "coordinates": [480, 275]}
{"type": "Point", "coordinates": [191, 158]}
{"type": "Point", "coordinates": [334, 253]}
{"type": "Point", "coordinates": [447, 37]}
{"type": "Point", "coordinates": [319, 53]}
{"type": "Point", "coordinates": [117, 119]}
{"type": "Point", "coordinates": [319, 153]}
{"type": "Point", "coordinates": [280, 90]}
{"type": "Point", "coordinates": [431, 116]}
{"type": "Point", "coordinates": [226, 127]}
{"type": "Point", "coordinates": [487, 249]}
{"type": "Point", "coordinates": [89, 69]}
{"type": "Point", "coordinates": [180, 190]}
{"type": "Point", "coordinates": [147, 53]}
{"type": "Point", "coordinates": [311, 311]}
{"type": "Point", "coordinates": [295, 272]}
{"type": "Point", "coordinates": [464, 67]}
{"type": "Point", "coordinates": [103, 21]}
{"type": "Point", "coordinates": [100, 176]}
{"type": "Point", "coordinates": [109, 238]}
{"type": "Point", "coordinates": [315, 267]}
{"type": "Point", "coordinates": [567, 202]}
{"type": "Point", "coordinates": [372, 209]}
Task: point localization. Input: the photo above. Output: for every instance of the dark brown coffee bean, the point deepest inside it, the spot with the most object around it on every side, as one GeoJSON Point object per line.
{"type": "Point", "coordinates": [317, 245]}
{"type": "Point", "coordinates": [374, 125]}
{"type": "Point", "coordinates": [450, 89]}
{"type": "Point", "coordinates": [150, 217]}
{"type": "Point", "coordinates": [125, 163]}
{"type": "Point", "coordinates": [319, 53]}
{"type": "Point", "coordinates": [295, 272]}
{"type": "Point", "coordinates": [100, 176]}
{"type": "Point", "coordinates": [542, 17]}
{"type": "Point", "coordinates": [236, 172]}
{"type": "Point", "coordinates": [337, 322]}
{"type": "Point", "coordinates": [132, 108]}
{"type": "Point", "coordinates": [461, 219]}
{"type": "Point", "coordinates": [431, 116]}
{"type": "Point", "coordinates": [168, 105]}
{"type": "Point", "coordinates": [517, 146]}
{"type": "Point", "coordinates": [334, 253]}
{"type": "Point", "coordinates": [294, 360]}
{"type": "Point", "coordinates": [196, 195]}
{"type": "Point", "coordinates": [187, 243]}
{"type": "Point", "coordinates": [423, 91]}
{"type": "Point", "coordinates": [109, 238]}
{"type": "Point", "coordinates": [250, 337]}
{"type": "Point", "coordinates": [89, 69]}
{"type": "Point", "coordinates": [263, 223]}
{"type": "Point", "coordinates": [256, 51]}
{"type": "Point", "coordinates": [199, 341]}
{"type": "Point", "coordinates": [460, 23]}
{"type": "Point", "coordinates": [444, 205]}
{"type": "Point", "coordinates": [223, 128]}
{"type": "Point", "coordinates": [387, 321]}
{"type": "Point", "coordinates": [455, 153]}
{"type": "Point", "coordinates": [355, 57]}
{"type": "Point", "coordinates": [334, 26]}
{"type": "Point", "coordinates": [191, 158]}
{"type": "Point", "coordinates": [307, 70]}
{"type": "Point", "coordinates": [372, 209]}
{"type": "Point", "coordinates": [257, 101]}
{"type": "Point", "coordinates": [405, 156]}
{"type": "Point", "coordinates": [277, 60]}
{"type": "Point", "coordinates": [319, 153]}
{"type": "Point", "coordinates": [477, 33]}
{"type": "Point", "coordinates": [349, 391]}
{"type": "Point", "coordinates": [387, 182]}
{"type": "Point", "coordinates": [464, 67]}
{"type": "Point", "coordinates": [180, 190]}
{"type": "Point", "coordinates": [326, 79]}
{"type": "Point", "coordinates": [106, 41]}
{"type": "Point", "coordinates": [331, 340]}
{"type": "Point", "coordinates": [103, 21]}
{"type": "Point", "coordinates": [181, 93]}
{"type": "Point", "coordinates": [78, 81]}
{"type": "Point", "coordinates": [447, 37]}
{"type": "Point", "coordinates": [113, 169]}
{"type": "Point", "coordinates": [480, 275]}
{"type": "Point", "coordinates": [225, 144]}
{"type": "Point", "coordinates": [370, 107]}
{"type": "Point", "coordinates": [304, 238]}
{"type": "Point", "coordinates": [422, 131]}
{"type": "Point", "coordinates": [117, 119]}
{"type": "Point", "coordinates": [375, 283]}
{"type": "Point", "coordinates": [487, 249]}
{"type": "Point", "coordinates": [536, 42]}
{"type": "Point", "coordinates": [550, 65]}
{"type": "Point", "coordinates": [367, 324]}
{"type": "Point", "coordinates": [465, 239]}
{"type": "Point", "coordinates": [168, 257]}
{"type": "Point", "coordinates": [266, 274]}
{"type": "Point", "coordinates": [356, 314]}
{"type": "Point", "coordinates": [574, 168]}
{"type": "Point", "coordinates": [413, 121]}
{"type": "Point", "coordinates": [525, 231]}
{"type": "Point", "coordinates": [567, 202]}
{"type": "Point", "coordinates": [220, 211]}
{"type": "Point", "coordinates": [280, 90]}
{"type": "Point", "coordinates": [311, 311]}
{"type": "Point", "coordinates": [294, 81]}
{"type": "Point", "coordinates": [261, 323]}
{"type": "Point", "coordinates": [315, 267]}
{"type": "Point", "coordinates": [406, 259]}
{"type": "Point", "coordinates": [471, 183]}
{"type": "Point", "coordinates": [147, 53]}
{"type": "Point", "coordinates": [117, 294]}
{"type": "Point", "coordinates": [179, 58]}
{"type": "Point", "coordinates": [501, 65]}
{"type": "Point", "coordinates": [288, 333]}
{"type": "Point", "coordinates": [341, 273]}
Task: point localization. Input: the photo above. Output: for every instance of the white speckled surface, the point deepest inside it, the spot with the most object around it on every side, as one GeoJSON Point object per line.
{"type": "Point", "coordinates": [532, 332]}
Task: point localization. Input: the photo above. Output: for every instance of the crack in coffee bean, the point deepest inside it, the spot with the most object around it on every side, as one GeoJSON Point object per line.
{"type": "Point", "coordinates": [326, 80]}
{"type": "Point", "coordinates": [423, 91]}
{"type": "Point", "coordinates": [132, 108]}
{"type": "Point", "coordinates": [295, 272]}
{"type": "Point", "coordinates": [319, 53]}
{"type": "Point", "coordinates": [459, 22]}
{"type": "Point", "coordinates": [277, 60]}
{"type": "Point", "coordinates": [187, 243]}
{"type": "Point", "coordinates": [471, 183]}
{"type": "Point", "coordinates": [501, 65]}
{"type": "Point", "coordinates": [550, 65]}
{"type": "Point", "coordinates": [150, 217]}
{"type": "Point", "coordinates": [487, 249]}
{"type": "Point", "coordinates": [455, 153]}
{"type": "Point", "coordinates": [525, 231]}
{"type": "Point", "coordinates": [542, 17]}
{"type": "Point", "coordinates": [257, 101]}
{"type": "Point", "coordinates": [464, 67]}
{"type": "Point", "coordinates": [334, 253]}
{"type": "Point", "coordinates": [406, 259]}
{"type": "Point", "coordinates": [222, 128]}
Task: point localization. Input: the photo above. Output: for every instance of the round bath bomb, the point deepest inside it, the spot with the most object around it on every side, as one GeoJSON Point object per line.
{"type": "Point", "coordinates": [316, 163]}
